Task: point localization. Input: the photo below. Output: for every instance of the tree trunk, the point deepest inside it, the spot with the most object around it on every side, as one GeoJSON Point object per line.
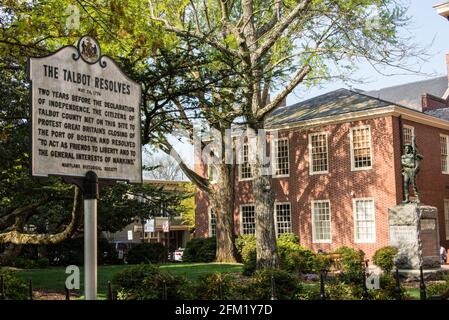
{"type": "Point", "coordinates": [222, 201]}
{"type": "Point", "coordinates": [10, 254]}
{"type": "Point", "coordinates": [266, 248]}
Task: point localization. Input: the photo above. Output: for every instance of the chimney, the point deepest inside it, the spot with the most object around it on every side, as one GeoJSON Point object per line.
{"type": "Point", "coordinates": [430, 102]}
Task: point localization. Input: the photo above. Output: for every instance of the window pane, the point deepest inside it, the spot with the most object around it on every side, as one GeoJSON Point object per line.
{"type": "Point", "coordinates": [444, 155]}
{"type": "Point", "coordinates": [281, 157]}
{"type": "Point", "coordinates": [408, 135]}
{"type": "Point", "coordinates": [319, 152]}
{"type": "Point", "coordinates": [248, 220]}
{"type": "Point", "coordinates": [361, 147]}
{"type": "Point", "coordinates": [283, 218]}
{"type": "Point", "coordinates": [321, 221]}
{"type": "Point", "coordinates": [364, 220]}
{"type": "Point", "coordinates": [245, 167]}
{"type": "Point", "coordinates": [213, 224]}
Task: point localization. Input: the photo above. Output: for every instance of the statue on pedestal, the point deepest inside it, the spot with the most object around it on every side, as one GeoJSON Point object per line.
{"type": "Point", "coordinates": [411, 163]}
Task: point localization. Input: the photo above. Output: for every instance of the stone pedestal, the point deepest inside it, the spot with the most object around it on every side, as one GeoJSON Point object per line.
{"type": "Point", "coordinates": [404, 222]}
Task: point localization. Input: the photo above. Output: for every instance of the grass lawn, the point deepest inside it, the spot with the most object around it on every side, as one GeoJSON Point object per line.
{"type": "Point", "coordinates": [53, 279]}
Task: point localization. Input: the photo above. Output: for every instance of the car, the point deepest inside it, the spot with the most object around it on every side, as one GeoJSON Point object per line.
{"type": "Point", "coordinates": [178, 254]}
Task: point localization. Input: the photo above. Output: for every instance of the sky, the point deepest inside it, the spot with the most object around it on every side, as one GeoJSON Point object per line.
{"type": "Point", "coordinates": [427, 28]}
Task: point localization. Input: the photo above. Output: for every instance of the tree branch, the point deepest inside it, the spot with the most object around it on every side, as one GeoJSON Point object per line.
{"type": "Point", "coordinates": [279, 28]}
{"type": "Point", "coordinates": [16, 237]}
{"type": "Point", "coordinates": [200, 181]}
{"type": "Point", "coordinates": [300, 75]}
{"type": "Point", "coordinates": [187, 33]}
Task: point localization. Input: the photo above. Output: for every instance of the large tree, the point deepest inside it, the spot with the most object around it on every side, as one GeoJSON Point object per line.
{"type": "Point", "coordinates": [277, 45]}
{"type": "Point", "coordinates": [54, 208]}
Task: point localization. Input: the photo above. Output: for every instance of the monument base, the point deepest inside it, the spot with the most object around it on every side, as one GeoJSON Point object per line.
{"type": "Point", "coordinates": [414, 227]}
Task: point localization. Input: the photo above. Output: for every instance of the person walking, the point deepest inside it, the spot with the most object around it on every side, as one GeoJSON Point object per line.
{"type": "Point", "coordinates": [443, 255]}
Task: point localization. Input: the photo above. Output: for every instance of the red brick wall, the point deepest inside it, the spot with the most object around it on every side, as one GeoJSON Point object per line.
{"type": "Point", "coordinates": [429, 102]}
{"type": "Point", "coordinates": [433, 185]}
{"type": "Point", "coordinates": [341, 185]}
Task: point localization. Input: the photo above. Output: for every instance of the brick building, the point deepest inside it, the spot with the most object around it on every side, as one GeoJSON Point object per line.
{"type": "Point", "coordinates": [337, 165]}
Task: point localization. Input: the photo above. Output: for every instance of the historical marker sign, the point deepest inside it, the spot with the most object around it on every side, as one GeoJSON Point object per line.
{"type": "Point", "coordinates": [85, 115]}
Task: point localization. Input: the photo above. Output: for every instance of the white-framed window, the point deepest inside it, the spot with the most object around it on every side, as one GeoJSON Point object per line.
{"type": "Point", "coordinates": [364, 220]}
{"type": "Point", "coordinates": [280, 157]}
{"type": "Point", "coordinates": [361, 155]}
{"type": "Point", "coordinates": [321, 221]}
{"type": "Point", "coordinates": [318, 153]}
{"type": "Point", "coordinates": [408, 133]}
{"type": "Point", "coordinates": [245, 171]}
{"type": "Point", "coordinates": [446, 218]}
{"type": "Point", "coordinates": [212, 173]}
{"type": "Point", "coordinates": [247, 219]}
{"type": "Point", "coordinates": [283, 217]}
{"type": "Point", "coordinates": [444, 147]}
{"type": "Point", "coordinates": [212, 223]}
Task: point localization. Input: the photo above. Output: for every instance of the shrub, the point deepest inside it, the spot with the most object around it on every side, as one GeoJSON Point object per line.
{"type": "Point", "coordinates": [220, 286]}
{"type": "Point", "coordinates": [246, 247]}
{"type": "Point", "coordinates": [286, 285]}
{"type": "Point", "coordinates": [147, 282]}
{"type": "Point", "coordinates": [352, 264]}
{"type": "Point", "coordinates": [301, 260]}
{"type": "Point", "coordinates": [71, 251]}
{"type": "Point", "coordinates": [147, 253]}
{"type": "Point", "coordinates": [438, 288]}
{"type": "Point", "coordinates": [384, 258]}
{"type": "Point", "coordinates": [15, 288]}
{"type": "Point", "coordinates": [323, 262]}
{"type": "Point", "coordinates": [308, 292]}
{"type": "Point", "coordinates": [24, 263]}
{"type": "Point", "coordinates": [387, 289]}
{"type": "Point", "coordinates": [292, 256]}
{"type": "Point", "coordinates": [337, 290]}
{"type": "Point", "coordinates": [288, 248]}
{"type": "Point", "coordinates": [42, 263]}
{"type": "Point", "coordinates": [200, 250]}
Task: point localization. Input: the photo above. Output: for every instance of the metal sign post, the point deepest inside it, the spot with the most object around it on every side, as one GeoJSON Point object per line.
{"type": "Point", "coordinates": [90, 189]}
{"type": "Point", "coordinates": [85, 128]}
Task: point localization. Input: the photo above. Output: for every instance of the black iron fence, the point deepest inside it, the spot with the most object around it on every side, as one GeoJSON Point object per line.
{"type": "Point", "coordinates": [365, 295]}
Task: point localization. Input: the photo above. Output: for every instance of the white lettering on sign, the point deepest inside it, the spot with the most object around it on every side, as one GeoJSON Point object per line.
{"type": "Point", "coordinates": [402, 234]}
{"type": "Point", "coordinates": [85, 117]}
{"type": "Point", "coordinates": [428, 224]}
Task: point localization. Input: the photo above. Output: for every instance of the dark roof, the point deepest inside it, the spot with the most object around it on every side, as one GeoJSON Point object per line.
{"type": "Point", "coordinates": [409, 94]}
{"type": "Point", "coordinates": [442, 113]}
{"type": "Point", "coordinates": [329, 104]}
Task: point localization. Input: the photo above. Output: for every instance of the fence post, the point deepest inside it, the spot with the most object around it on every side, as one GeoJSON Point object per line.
{"type": "Point", "coordinates": [365, 294]}
{"type": "Point", "coordinates": [30, 290]}
{"type": "Point", "coordinates": [67, 293]}
{"type": "Point", "coordinates": [273, 288]}
{"type": "Point", "coordinates": [220, 292]}
{"type": "Point", "coordinates": [164, 290]}
{"type": "Point", "coordinates": [2, 288]}
{"type": "Point", "coordinates": [397, 289]}
{"type": "Point", "coordinates": [322, 292]}
{"type": "Point", "coordinates": [422, 285]}
{"type": "Point", "coordinates": [110, 293]}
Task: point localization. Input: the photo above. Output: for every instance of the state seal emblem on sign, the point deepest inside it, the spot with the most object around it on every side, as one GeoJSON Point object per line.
{"type": "Point", "coordinates": [89, 49]}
